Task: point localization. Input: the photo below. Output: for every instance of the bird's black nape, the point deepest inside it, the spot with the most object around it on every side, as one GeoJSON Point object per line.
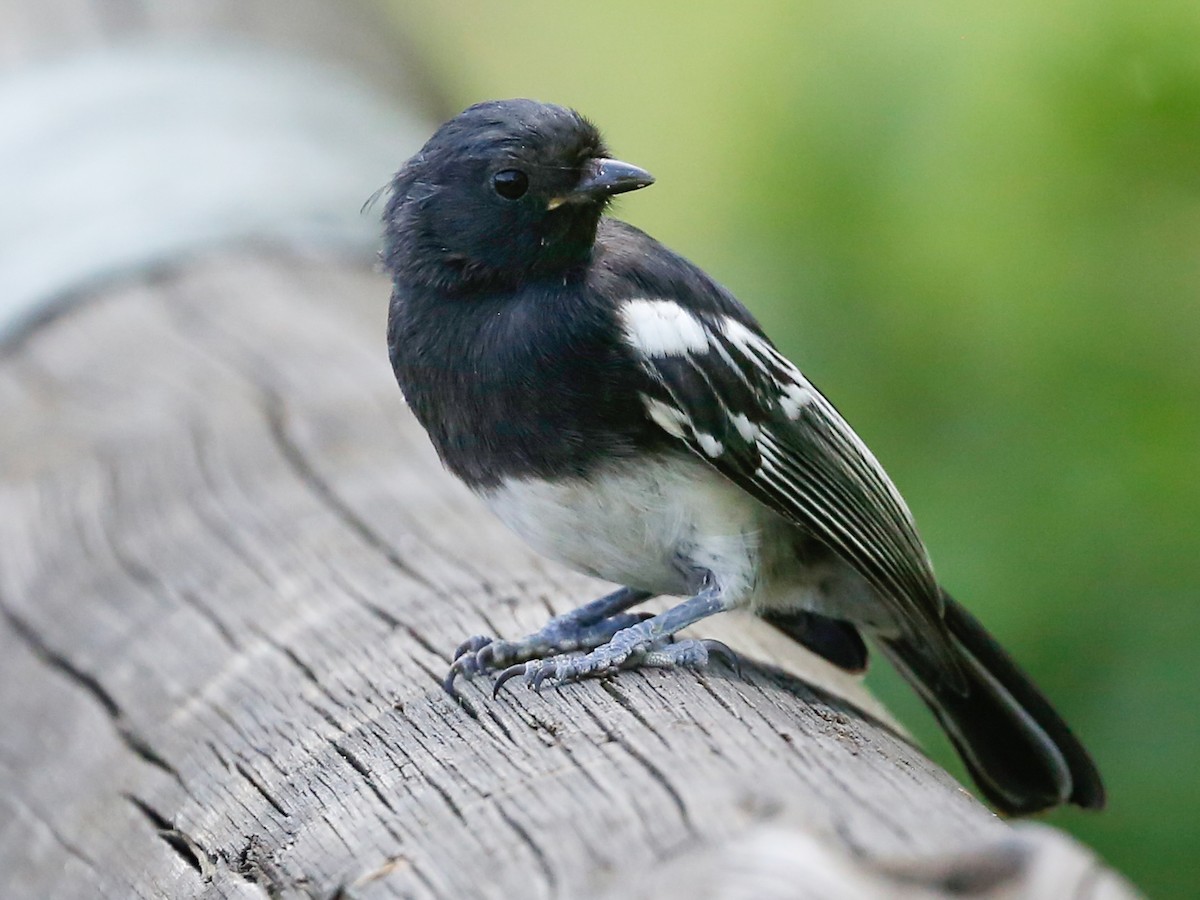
{"type": "Point", "coordinates": [505, 191]}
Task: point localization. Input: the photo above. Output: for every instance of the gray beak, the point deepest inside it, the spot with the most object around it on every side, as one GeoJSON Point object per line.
{"type": "Point", "coordinates": [604, 178]}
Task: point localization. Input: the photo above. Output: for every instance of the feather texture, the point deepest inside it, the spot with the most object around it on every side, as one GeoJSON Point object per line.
{"type": "Point", "coordinates": [722, 389]}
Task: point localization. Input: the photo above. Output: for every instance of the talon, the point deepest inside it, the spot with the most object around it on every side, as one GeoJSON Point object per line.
{"type": "Point", "coordinates": [509, 673]}
{"type": "Point", "coordinates": [725, 654]}
{"type": "Point", "coordinates": [472, 645]}
{"type": "Point", "coordinates": [463, 665]}
{"type": "Point", "coordinates": [539, 676]}
{"type": "Point", "coordinates": [494, 654]}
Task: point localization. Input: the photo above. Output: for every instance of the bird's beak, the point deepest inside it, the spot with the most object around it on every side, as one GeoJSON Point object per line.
{"type": "Point", "coordinates": [603, 178]}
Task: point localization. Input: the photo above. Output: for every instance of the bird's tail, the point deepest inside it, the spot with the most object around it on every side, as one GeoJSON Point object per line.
{"type": "Point", "coordinates": [1020, 752]}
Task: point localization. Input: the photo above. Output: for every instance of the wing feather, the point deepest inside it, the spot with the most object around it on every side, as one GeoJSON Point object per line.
{"type": "Point", "coordinates": [739, 404]}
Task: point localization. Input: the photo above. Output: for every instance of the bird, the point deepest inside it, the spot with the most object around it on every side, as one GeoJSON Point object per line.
{"type": "Point", "coordinates": [627, 416]}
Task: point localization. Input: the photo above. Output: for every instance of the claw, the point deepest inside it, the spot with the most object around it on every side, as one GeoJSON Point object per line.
{"type": "Point", "coordinates": [467, 661]}
{"type": "Point", "coordinates": [462, 665]}
{"type": "Point", "coordinates": [543, 672]}
{"type": "Point", "coordinates": [588, 627]}
{"type": "Point", "coordinates": [726, 655]}
{"type": "Point", "coordinates": [493, 654]}
{"type": "Point", "coordinates": [472, 645]}
{"type": "Point", "coordinates": [485, 655]}
{"type": "Point", "coordinates": [509, 673]}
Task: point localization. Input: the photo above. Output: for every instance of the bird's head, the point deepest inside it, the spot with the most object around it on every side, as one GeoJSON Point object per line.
{"type": "Point", "coordinates": [506, 190]}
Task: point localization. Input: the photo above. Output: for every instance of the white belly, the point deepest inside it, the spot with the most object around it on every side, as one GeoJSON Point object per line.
{"type": "Point", "coordinates": [655, 526]}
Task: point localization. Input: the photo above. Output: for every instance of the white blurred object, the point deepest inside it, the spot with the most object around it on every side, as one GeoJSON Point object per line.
{"type": "Point", "coordinates": [1033, 862]}
{"type": "Point", "coordinates": [129, 157]}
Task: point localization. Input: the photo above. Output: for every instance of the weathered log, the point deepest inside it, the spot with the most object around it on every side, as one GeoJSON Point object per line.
{"type": "Point", "coordinates": [231, 575]}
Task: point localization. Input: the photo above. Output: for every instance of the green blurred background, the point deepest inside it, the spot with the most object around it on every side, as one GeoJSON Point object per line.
{"type": "Point", "coordinates": [978, 230]}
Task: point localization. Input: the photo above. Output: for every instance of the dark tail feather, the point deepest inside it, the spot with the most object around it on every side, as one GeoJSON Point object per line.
{"type": "Point", "coordinates": [1020, 752]}
{"type": "Point", "coordinates": [835, 640]}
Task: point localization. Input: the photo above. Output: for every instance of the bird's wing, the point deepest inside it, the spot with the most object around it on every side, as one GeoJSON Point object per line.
{"type": "Point", "coordinates": [721, 388]}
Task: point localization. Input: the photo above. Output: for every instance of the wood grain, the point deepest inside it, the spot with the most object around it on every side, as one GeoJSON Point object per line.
{"type": "Point", "coordinates": [231, 575]}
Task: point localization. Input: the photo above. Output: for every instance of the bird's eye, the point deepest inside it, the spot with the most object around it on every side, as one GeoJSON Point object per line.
{"type": "Point", "coordinates": [511, 184]}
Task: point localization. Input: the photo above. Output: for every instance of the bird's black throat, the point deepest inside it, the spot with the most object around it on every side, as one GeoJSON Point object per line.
{"type": "Point", "coordinates": [558, 245]}
{"type": "Point", "coordinates": [497, 405]}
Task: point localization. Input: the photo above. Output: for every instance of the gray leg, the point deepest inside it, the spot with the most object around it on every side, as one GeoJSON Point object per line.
{"type": "Point", "coordinates": [581, 629]}
{"type": "Point", "coordinates": [646, 643]}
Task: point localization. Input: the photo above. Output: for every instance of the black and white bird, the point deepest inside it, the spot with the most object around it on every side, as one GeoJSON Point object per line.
{"type": "Point", "coordinates": [626, 415]}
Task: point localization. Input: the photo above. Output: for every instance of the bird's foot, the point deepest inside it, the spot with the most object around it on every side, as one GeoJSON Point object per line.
{"type": "Point", "coordinates": [627, 650]}
{"type": "Point", "coordinates": [561, 635]}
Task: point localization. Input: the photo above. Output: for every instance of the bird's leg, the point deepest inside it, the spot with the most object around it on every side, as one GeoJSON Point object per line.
{"type": "Point", "coordinates": [646, 643]}
{"type": "Point", "coordinates": [580, 629]}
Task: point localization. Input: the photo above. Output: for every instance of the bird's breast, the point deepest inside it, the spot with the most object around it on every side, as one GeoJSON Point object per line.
{"type": "Point", "coordinates": [516, 387]}
{"type": "Point", "coordinates": [656, 524]}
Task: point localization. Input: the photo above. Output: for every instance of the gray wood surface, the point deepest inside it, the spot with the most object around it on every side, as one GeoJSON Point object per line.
{"type": "Point", "coordinates": [231, 573]}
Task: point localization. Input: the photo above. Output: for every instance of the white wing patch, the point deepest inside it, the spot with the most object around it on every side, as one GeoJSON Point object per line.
{"type": "Point", "coordinates": [738, 403]}
{"type": "Point", "coordinates": [668, 418]}
{"type": "Point", "coordinates": [794, 398]}
{"type": "Point", "coordinates": [662, 328]}
{"type": "Point", "coordinates": [747, 429]}
{"type": "Point", "coordinates": [790, 391]}
{"type": "Point", "coordinates": [744, 339]}
{"type": "Point", "coordinates": [795, 392]}
{"type": "Point", "coordinates": [709, 444]}
{"type": "Point", "coordinates": [675, 423]}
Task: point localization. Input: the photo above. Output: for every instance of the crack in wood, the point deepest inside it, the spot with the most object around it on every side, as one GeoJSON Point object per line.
{"type": "Point", "coordinates": [466, 706]}
{"type": "Point", "coordinates": [426, 778]}
{"type": "Point", "coordinates": [305, 669]}
{"type": "Point", "coordinates": [202, 609]}
{"type": "Point", "coordinates": [655, 773]}
{"type": "Point", "coordinates": [488, 623]}
{"type": "Point", "coordinates": [446, 798]}
{"type": "Point", "coordinates": [70, 847]}
{"type": "Point", "coordinates": [326, 715]}
{"type": "Point", "coordinates": [90, 686]}
{"type": "Point", "coordinates": [492, 714]}
{"type": "Point", "coordinates": [628, 705]}
{"type": "Point", "coordinates": [239, 519]}
{"type": "Point", "coordinates": [436, 677]}
{"type": "Point", "coordinates": [60, 663]}
{"type": "Point", "coordinates": [587, 776]}
{"type": "Point", "coordinates": [539, 855]}
{"type": "Point", "coordinates": [253, 864]}
{"type": "Point", "coordinates": [215, 750]}
{"type": "Point", "coordinates": [368, 779]}
{"type": "Point", "coordinates": [423, 642]}
{"type": "Point", "coordinates": [702, 680]}
{"type": "Point", "coordinates": [217, 530]}
{"type": "Point", "coordinates": [275, 411]}
{"type": "Point", "coordinates": [258, 785]}
{"type": "Point", "coordinates": [182, 845]}
{"type": "Point", "coordinates": [366, 602]}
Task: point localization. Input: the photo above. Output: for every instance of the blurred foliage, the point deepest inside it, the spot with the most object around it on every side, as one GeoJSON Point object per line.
{"type": "Point", "coordinates": [978, 229]}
